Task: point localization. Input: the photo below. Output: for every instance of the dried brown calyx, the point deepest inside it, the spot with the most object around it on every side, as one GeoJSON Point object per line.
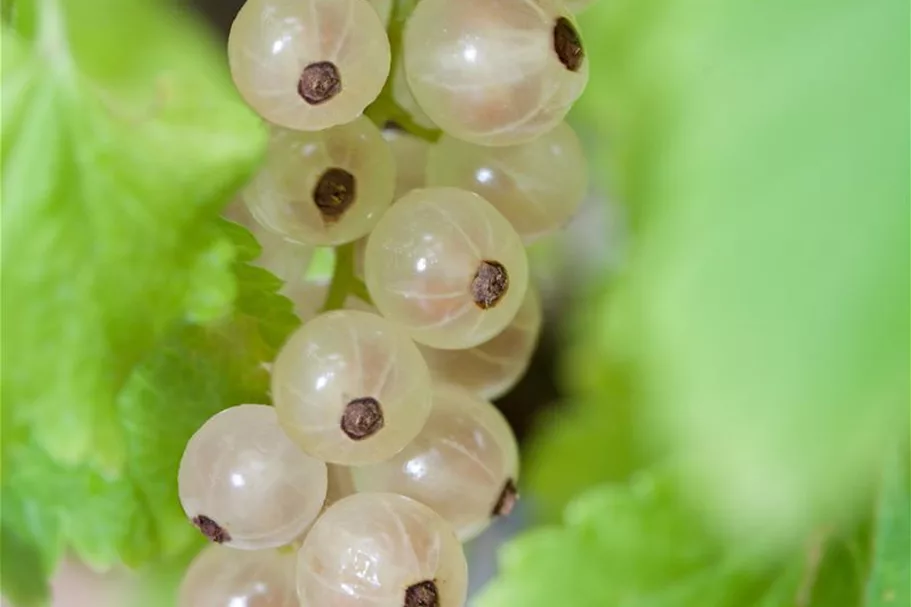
{"type": "Point", "coordinates": [422, 594]}
{"type": "Point", "coordinates": [334, 193]}
{"type": "Point", "coordinates": [507, 500]}
{"type": "Point", "coordinates": [568, 44]}
{"type": "Point", "coordinates": [489, 284]}
{"type": "Point", "coordinates": [319, 82]}
{"type": "Point", "coordinates": [362, 418]}
{"type": "Point", "coordinates": [212, 530]}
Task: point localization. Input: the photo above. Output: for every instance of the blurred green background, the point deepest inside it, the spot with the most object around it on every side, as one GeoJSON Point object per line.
{"type": "Point", "coordinates": [719, 411]}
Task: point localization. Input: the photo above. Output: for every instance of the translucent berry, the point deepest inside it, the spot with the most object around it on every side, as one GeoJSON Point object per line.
{"type": "Point", "coordinates": [323, 188]}
{"type": "Point", "coordinates": [464, 464]}
{"type": "Point", "coordinates": [382, 550]}
{"type": "Point", "coordinates": [494, 73]}
{"type": "Point", "coordinates": [538, 186]}
{"type": "Point", "coordinates": [447, 266]}
{"type": "Point", "coordinates": [244, 484]}
{"type": "Point", "coordinates": [308, 64]}
{"type": "Point", "coordinates": [492, 368]}
{"type": "Point", "coordinates": [219, 577]}
{"type": "Point", "coordinates": [351, 388]}
{"type": "Point", "coordinates": [410, 155]}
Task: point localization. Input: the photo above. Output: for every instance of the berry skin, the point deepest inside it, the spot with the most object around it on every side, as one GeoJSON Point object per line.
{"type": "Point", "coordinates": [494, 73]}
{"type": "Point", "coordinates": [308, 64]}
{"type": "Point", "coordinates": [220, 577]}
{"type": "Point", "coordinates": [324, 188]}
{"type": "Point", "coordinates": [464, 463]}
{"type": "Point", "coordinates": [446, 266]}
{"type": "Point", "coordinates": [351, 388]}
{"type": "Point", "coordinates": [383, 550]}
{"type": "Point", "coordinates": [244, 484]}
{"type": "Point", "coordinates": [410, 155]}
{"type": "Point", "coordinates": [492, 368]}
{"type": "Point", "coordinates": [538, 186]}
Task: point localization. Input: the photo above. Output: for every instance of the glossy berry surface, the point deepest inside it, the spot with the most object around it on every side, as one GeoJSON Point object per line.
{"type": "Point", "coordinates": [324, 188]}
{"type": "Point", "coordinates": [244, 484]}
{"type": "Point", "coordinates": [446, 266]}
{"type": "Point", "coordinates": [494, 72]}
{"type": "Point", "coordinates": [351, 388]}
{"type": "Point", "coordinates": [464, 463]}
{"type": "Point", "coordinates": [308, 64]}
{"type": "Point", "coordinates": [221, 577]}
{"type": "Point", "coordinates": [383, 550]}
{"type": "Point", "coordinates": [538, 186]}
{"type": "Point", "coordinates": [492, 368]}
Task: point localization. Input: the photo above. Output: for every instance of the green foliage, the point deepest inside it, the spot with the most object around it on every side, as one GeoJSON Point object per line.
{"type": "Point", "coordinates": [762, 148]}
{"type": "Point", "coordinates": [640, 545]}
{"type": "Point", "coordinates": [890, 581]}
{"type": "Point", "coordinates": [135, 517]}
{"type": "Point", "coordinates": [121, 139]}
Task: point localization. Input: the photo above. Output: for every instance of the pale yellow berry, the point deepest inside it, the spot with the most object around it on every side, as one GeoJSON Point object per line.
{"type": "Point", "coordinates": [494, 73]}
{"type": "Point", "coordinates": [382, 550]}
{"type": "Point", "coordinates": [464, 464]}
{"type": "Point", "coordinates": [244, 484]}
{"type": "Point", "coordinates": [446, 266]}
{"type": "Point", "coordinates": [308, 64]}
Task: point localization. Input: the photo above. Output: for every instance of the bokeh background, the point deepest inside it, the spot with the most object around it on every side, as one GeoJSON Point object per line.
{"type": "Point", "coordinates": [718, 410]}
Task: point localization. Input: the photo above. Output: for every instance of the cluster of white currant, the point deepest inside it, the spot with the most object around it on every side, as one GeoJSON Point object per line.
{"type": "Point", "coordinates": [382, 452]}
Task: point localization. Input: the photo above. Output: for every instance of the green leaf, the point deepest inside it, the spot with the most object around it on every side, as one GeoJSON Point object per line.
{"type": "Point", "coordinates": [136, 518]}
{"type": "Point", "coordinates": [889, 584]}
{"type": "Point", "coordinates": [31, 545]}
{"type": "Point", "coordinates": [641, 546]}
{"type": "Point", "coordinates": [122, 137]}
{"type": "Point", "coordinates": [762, 147]}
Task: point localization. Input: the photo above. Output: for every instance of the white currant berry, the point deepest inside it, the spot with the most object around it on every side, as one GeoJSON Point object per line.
{"type": "Point", "coordinates": [382, 550]}
{"type": "Point", "coordinates": [221, 577]}
{"type": "Point", "coordinates": [464, 464]}
{"type": "Point", "coordinates": [447, 266]}
{"type": "Point", "coordinates": [351, 388]}
{"type": "Point", "coordinates": [308, 64]}
{"type": "Point", "coordinates": [494, 73]}
{"type": "Point", "coordinates": [244, 484]}
{"type": "Point", "coordinates": [538, 186]}
{"type": "Point", "coordinates": [410, 155]}
{"type": "Point", "coordinates": [492, 368]}
{"type": "Point", "coordinates": [324, 188]}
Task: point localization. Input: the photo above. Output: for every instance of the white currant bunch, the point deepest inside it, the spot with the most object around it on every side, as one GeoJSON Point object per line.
{"type": "Point", "coordinates": [382, 451]}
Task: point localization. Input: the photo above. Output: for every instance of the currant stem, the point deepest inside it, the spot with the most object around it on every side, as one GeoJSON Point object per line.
{"type": "Point", "coordinates": [385, 109]}
{"type": "Point", "coordinates": [344, 282]}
